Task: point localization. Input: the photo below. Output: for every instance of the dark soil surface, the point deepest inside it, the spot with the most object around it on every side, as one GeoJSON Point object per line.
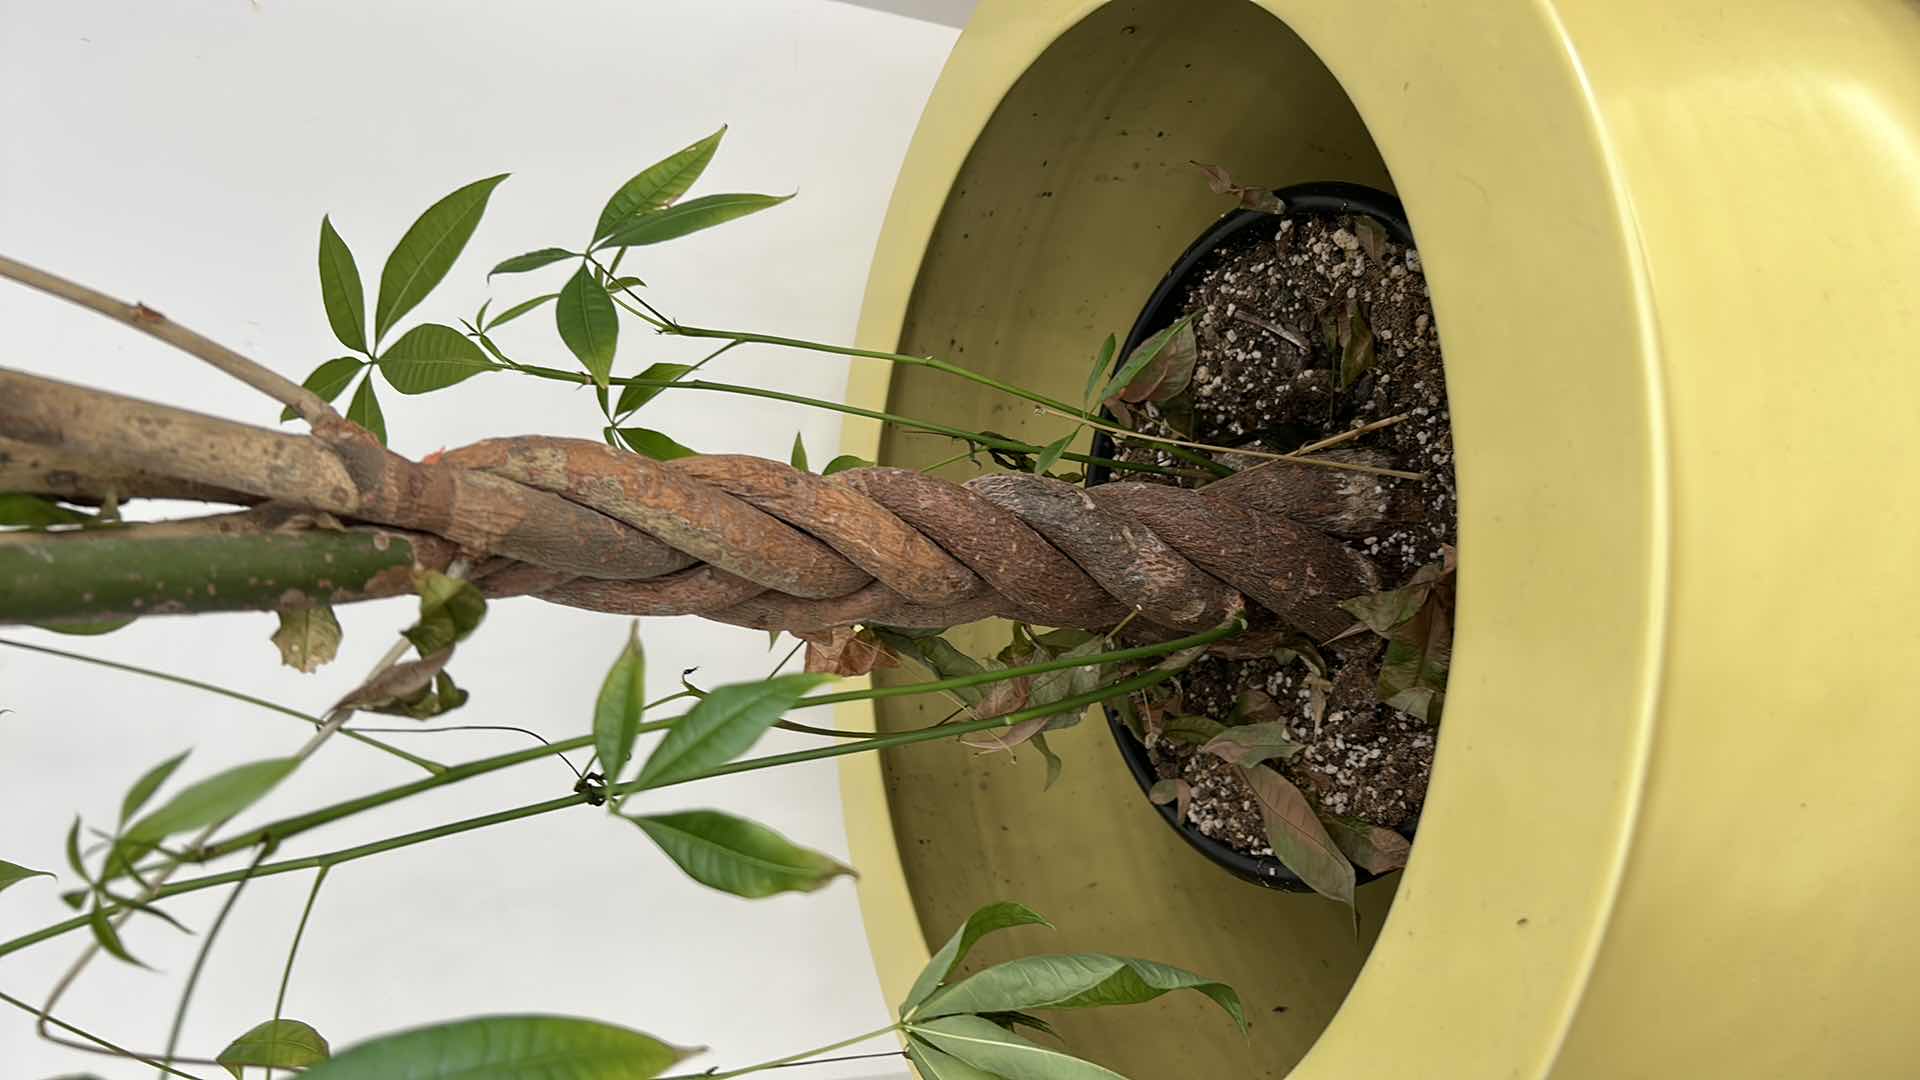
{"type": "Point", "coordinates": [1255, 386]}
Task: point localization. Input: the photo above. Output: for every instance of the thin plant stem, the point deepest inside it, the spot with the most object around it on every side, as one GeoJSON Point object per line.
{"type": "Point", "coordinates": [181, 680]}
{"type": "Point", "coordinates": [790, 1059]}
{"type": "Point", "coordinates": [200, 961]}
{"type": "Point", "coordinates": [104, 1045]}
{"type": "Point", "coordinates": [1353, 433]}
{"type": "Point", "coordinates": [404, 840]}
{"type": "Point", "coordinates": [286, 973]}
{"type": "Point", "coordinates": [1320, 463]}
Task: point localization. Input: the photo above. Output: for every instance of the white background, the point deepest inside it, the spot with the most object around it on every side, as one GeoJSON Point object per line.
{"type": "Point", "coordinates": [183, 155]}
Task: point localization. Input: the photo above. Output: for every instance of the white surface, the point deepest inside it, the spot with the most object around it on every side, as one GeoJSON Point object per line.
{"type": "Point", "coordinates": [183, 155]}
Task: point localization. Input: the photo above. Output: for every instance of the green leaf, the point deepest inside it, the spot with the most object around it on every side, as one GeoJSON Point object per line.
{"type": "Point", "coordinates": [1413, 675]}
{"type": "Point", "coordinates": [214, 799]}
{"type": "Point", "coordinates": [451, 609]}
{"type": "Point", "coordinates": [658, 184]}
{"type": "Point", "coordinates": [1050, 454]}
{"type": "Point", "coordinates": [283, 1044]}
{"type": "Point", "coordinates": [933, 1063]}
{"type": "Point", "coordinates": [427, 251]}
{"type": "Point", "coordinates": [1171, 370]}
{"type": "Point", "coordinates": [617, 711]}
{"type": "Point", "coordinates": [14, 873]}
{"type": "Point", "coordinates": [1372, 848]}
{"type": "Point", "coordinates": [588, 324]}
{"type": "Point", "coordinates": [658, 226]}
{"type": "Point", "coordinates": [532, 260]}
{"type": "Point", "coordinates": [1251, 744]}
{"type": "Point", "coordinates": [328, 380]}
{"type": "Point", "coordinates": [798, 457]}
{"type": "Point", "coordinates": [633, 396]}
{"type": "Point", "coordinates": [725, 723]}
{"type": "Point", "coordinates": [845, 462]}
{"type": "Point", "coordinates": [621, 284]}
{"type": "Point", "coordinates": [144, 788]}
{"type": "Point", "coordinates": [108, 938]}
{"type": "Point", "coordinates": [1192, 730]}
{"type": "Point", "coordinates": [340, 289]}
{"type": "Point", "coordinates": [986, 1045]}
{"type": "Point", "coordinates": [738, 856]}
{"type": "Point", "coordinates": [654, 444]}
{"type": "Point", "coordinates": [507, 1048]}
{"type": "Point", "coordinates": [1068, 682]}
{"type": "Point", "coordinates": [1299, 841]}
{"type": "Point", "coordinates": [365, 410]}
{"type": "Point", "coordinates": [520, 309]}
{"type": "Point", "coordinates": [1000, 916]}
{"type": "Point", "coordinates": [431, 357]}
{"type": "Point", "coordinates": [1074, 981]}
{"type": "Point", "coordinates": [34, 512]}
{"type": "Point", "coordinates": [1141, 356]}
{"type": "Point", "coordinates": [1054, 764]}
{"type": "Point", "coordinates": [308, 637]}
{"type": "Point", "coordinates": [1102, 360]}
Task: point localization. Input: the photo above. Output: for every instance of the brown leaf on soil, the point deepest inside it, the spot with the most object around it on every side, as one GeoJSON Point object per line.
{"type": "Point", "coordinates": [1177, 792]}
{"type": "Point", "coordinates": [1251, 744]}
{"type": "Point", "coordinates": [1373, 236]}
{"type": "Point", "coordinates": [1356, 346]}
{"type": "Point", "coordinates": [848, 653]}
{"type": "Point", "coordinates": [1299, 841]}
{"type": "Point", "coordinates": [1372, 848]}
{"type": "Point", "coordinates": [401, 682]}
{"type": "Point", "coordinates": [1413, 675]}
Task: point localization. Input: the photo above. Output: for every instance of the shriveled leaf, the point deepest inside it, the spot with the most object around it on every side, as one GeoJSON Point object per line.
{"type": "Point", "coordinates": [308, 637]}
{"type": "Point", "coordinates": [450, 610]}
{"type": "Point", "coordinates": [998, 916]}
{"type": "Point", "coordinates": [274, 1044]}
{"type": "Point", "coordinates": [532, 260]}
{"type": "Point", "coordinates": [633, 395]}
{"type": "Point", "coordinates": [1102, 360]}
{"type": "Point", "coordinates": [1249, 198]}
{"type": "Point", "coordinates": [1191, 729]}
{"type": "Point", "coordinates": [105, 936]}
{"type": "Point", "coordinates": [846, 652]}
{"type": "Point", "coordinates": [658, 185]}
{"type": "Point", "coordinates": [1054, 764]}
{"type": "Point", "coordinates": [14, 873]}
{"type": "Point", "coordinates": [1372, 848]}
{"type": "Point", "coordinates": [507, 1048]}
{"type": "Point", "coordinates": [798, 458]}
{"type": "Point", "coordinates": [738, 856]}
{"type": "Point", "coordinates": [726, 722]}
{"type": "Point", "coordinates": [436, 700]}
{"type": "Point", "coordinates": [654, 444]}
{"type": "Point", "coordinates": [36, 512]}
{"type": "Point", "coordinates": [1304, 650]}
{"type": "Point", "coordinates": [1123, 382]}
{"type": "Point", "coordinates": [1177, 792]}
{"type": "Point", "coordinates": [987, 1046]}
{"type": "Point", "coordinates": [144, 788]}
{"type": "Point", "coordinates": [845, 462]}
{"type": "Point", "coordinates": [1356, 346]}
{"type": "Point", "coordinates": [617, 711]}
{"type": "Point", "coordinates": [1413, 675]}
{"type": "Point", "coordinates": [401, 682]}
{"type": "Point", "coordinates": [340, 290]}
{"type": "Point", "coordinates": [427, 250]}
{"type": "Point", "coordinates": [1299, 841]}
{"type": "Point", "coordinates": [1251, 744]}
{"type": "Point", "coordinates": [1383, 612]}
{"type": "Point", "coordinates": [1074, 981]}
{"type": "Point", "coordinates": [1068, 683]}
{"type": "Point", "coordinates": [328, 381]}
{"type": "Point", "coordinates": [365, 410]}
{"type": "Point", "coordinates": [657, 226]}
{"type": "Point", "coordinates": [1373, 237]}
{"type": "Point", "coordinates": [932, 1063]}
{"type": "Point", "coordinates": [214, 799]}
{"type": "Point", "coordinates": [588, 324]}
{"type": "Point", "coordinates": [520, 309]}
{"type": "Point", "coordinates": [432, 357]}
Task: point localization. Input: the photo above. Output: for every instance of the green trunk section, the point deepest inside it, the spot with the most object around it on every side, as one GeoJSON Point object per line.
{"type": "Point", "coordinates": [84, 578]}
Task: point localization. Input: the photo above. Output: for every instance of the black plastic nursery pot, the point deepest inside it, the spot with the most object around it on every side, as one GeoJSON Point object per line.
{"type": "Point", "coordinates": [1331, 198]}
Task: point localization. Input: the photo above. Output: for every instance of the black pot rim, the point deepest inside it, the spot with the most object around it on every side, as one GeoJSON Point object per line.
{"type": "Point", "coordinates": [1323, 198]}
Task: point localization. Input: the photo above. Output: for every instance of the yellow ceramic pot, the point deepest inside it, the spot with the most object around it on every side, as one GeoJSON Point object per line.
{"type": "Point", "coordinates": [1672, 252]}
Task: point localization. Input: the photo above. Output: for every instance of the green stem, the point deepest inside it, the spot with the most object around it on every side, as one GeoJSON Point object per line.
{"type": "Point", "coordinates": [430, 766]}
{"type": "Point", "coordinates": [286, 973]}
{"type": "Point", "coordinates": [790, 1059]}
{"type": "Point", "coordinates": [393, 843]}
{"type": "Point", "coordinates": [200, 962]}
{"type": "Point", "coordinates": [110, 1047]}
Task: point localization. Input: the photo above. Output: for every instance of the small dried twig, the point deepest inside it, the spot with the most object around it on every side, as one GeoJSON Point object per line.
{"type": "Point", "coordinates": [1274, 328]}
{"type": "Point", "coordinates": [1346, 466]}
{"type": "Point", "coordinates": [309, 405]}
{"type": "Point", "coordinates": [1345, 436]}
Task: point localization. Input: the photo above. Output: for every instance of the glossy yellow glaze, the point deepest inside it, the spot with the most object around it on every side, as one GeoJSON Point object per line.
{"type": "Point", "coordinates": [1671, 253]}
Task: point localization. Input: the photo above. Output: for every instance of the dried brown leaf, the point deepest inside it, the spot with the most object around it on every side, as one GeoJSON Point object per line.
{"type": "Point", "coordinates": [845, 652]}
{"type": "Point", "coordinates": [308, 637]}
{"type": "Point", "coordinates": [401, 682]}
{"type": "Point", "coordinates": [1299, 841]}
{"type": "Point", "coordinates": [1372, 848]}
{"type": "Point", "coordinates": [1251, 744]}
{"type": "Point", "coordinates": [1177, 792]}
{"type": "Point", "coordinates": [1373, 237]}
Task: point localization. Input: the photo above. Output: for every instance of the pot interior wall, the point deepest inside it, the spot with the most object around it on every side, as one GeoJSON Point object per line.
{"type": "Point", "coordinates": [1075, 200]}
